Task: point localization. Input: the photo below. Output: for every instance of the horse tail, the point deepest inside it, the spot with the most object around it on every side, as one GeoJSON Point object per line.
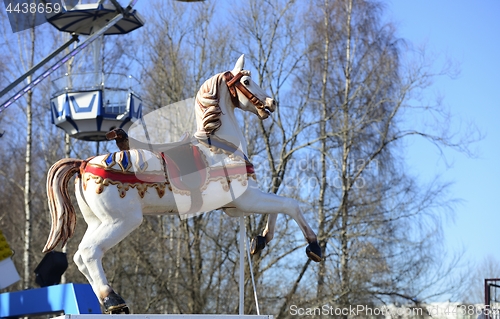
{"type": "Point", "coordinates": [61, 209]}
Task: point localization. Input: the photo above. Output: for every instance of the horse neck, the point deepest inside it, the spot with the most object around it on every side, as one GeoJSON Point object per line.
{"type": "Point", "coordinates": [230, 129]}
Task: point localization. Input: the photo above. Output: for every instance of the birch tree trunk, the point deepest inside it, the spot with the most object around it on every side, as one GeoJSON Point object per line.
{"type": "Point", "coordinates": [322, 237]}
{"type": "Point", "coordinates": [345, 175]}
{"type": "Point", "coordinates": [27, 175]}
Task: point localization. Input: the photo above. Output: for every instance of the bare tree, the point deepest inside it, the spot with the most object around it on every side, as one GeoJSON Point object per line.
{"type": "Point", "coordinates": [27, 177]}
{"type": "Point", "coordinates": [372, 214]}
{"type": "Point", "coordinates": [26, 51]}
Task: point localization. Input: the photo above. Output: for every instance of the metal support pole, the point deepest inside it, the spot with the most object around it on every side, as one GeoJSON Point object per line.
{"type": "Point", "coordinates": [487, 297]}
{"type": "Point", "coordinates": [253, 279]}
{"type": "Point", "coordinates": [118, 7]}
{"type": "Point", "coordinates": [39, 65]}
{"type": "Point", "coordinates": [242, 265]}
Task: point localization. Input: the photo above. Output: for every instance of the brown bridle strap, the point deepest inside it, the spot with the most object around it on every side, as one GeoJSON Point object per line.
{"type": "Point", "coordinates": [233, 83]}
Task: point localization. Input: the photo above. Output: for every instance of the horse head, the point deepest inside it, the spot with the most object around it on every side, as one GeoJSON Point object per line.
{"type": "Point", "coordinates": [246, 94]}
{"type": "Point", "coordinates": [242, 92]}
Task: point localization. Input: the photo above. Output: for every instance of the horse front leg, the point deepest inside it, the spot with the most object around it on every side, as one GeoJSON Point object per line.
{"type": "Point", "coordinates": [256, 201]}
{"type": "Point", "coordinates": [258, 243]}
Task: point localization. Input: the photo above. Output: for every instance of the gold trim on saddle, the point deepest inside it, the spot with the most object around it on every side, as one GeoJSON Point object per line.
{"type": "Point", "coordinates": [124, 187]}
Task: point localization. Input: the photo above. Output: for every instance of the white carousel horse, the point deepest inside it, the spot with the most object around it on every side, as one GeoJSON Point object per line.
{"type": "Point", "coordinates": [114, 191]}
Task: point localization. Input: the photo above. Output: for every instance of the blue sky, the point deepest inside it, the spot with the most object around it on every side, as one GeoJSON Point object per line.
{"type": "Point", "coordinates": [468, 33]}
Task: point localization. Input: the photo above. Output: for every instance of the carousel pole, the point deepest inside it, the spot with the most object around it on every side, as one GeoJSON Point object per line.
{"type": "Point", "coordinates": [242, 265]}
{"type": "Point", "coordinates": [252, 277]}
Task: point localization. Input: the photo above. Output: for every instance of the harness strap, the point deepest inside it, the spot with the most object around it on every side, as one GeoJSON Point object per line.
{"type": "Point", "coordinates": [231, 79]}
{"type": "Point", "coordinates": [233, 83]}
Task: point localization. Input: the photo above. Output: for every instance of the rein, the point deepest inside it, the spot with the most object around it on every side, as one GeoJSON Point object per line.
{"type": "Point", "coordinates": [233, 83]}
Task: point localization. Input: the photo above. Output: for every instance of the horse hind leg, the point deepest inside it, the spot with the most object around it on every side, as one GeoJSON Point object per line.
{"type": "Point", "coordinates": [114, 225]}
{"type": "Point", "coordinates": [78, 260]}
{"type": "Point", "coordinates": [92, 224]}
{"type": "Point", "coordinates": [113, 303]}
{"type": "Point", "coordinates": [91, 252]}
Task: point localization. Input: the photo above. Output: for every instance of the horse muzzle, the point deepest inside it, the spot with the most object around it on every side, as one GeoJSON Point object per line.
{"type": "Point", "coordinates": [265, 110]}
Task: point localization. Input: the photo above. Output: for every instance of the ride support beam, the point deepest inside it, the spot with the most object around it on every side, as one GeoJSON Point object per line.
{"type": "Point", "coordinates": [59, 63]}
{"type": "Point", "coordinates": [39, 65]}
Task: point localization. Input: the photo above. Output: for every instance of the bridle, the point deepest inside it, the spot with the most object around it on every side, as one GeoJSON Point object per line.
{"type": "Point", "coordinates": [233, 83]}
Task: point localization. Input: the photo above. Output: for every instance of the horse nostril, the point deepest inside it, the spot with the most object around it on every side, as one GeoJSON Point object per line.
{"type": "Point", "coordinates": [274, 103]}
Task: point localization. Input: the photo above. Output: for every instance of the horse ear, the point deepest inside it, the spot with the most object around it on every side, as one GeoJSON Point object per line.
{"type": "Point", "coordinates": [239, 64]}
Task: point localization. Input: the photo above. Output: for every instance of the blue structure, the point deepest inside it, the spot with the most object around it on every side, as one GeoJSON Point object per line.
{"type": "Point", "coordinates": [68, 298]}
{"type": "Point", "coordinates": [87, 108]}
{"type": "Point", "coordinates": [88, 105]}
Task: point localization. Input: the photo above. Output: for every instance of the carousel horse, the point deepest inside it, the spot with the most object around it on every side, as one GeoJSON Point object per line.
{"type": "Point", "coordinates": [115, 190]}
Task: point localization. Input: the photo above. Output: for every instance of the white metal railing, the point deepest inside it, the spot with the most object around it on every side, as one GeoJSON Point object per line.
{"type": "Point", "coordinates": [81, 82]}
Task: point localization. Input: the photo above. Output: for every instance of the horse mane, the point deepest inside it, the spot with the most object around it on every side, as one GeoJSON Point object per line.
{"type": "Point", "coordinates": [207, 101]}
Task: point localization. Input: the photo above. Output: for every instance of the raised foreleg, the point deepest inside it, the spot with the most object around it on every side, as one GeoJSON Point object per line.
{"type": "Point", "coordinates": [260, 242]}
{"type": "Point", "coordinates": [256, 201]}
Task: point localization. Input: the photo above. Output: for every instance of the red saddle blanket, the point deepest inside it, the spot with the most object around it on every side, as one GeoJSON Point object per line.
{"type": "Point", "coordinates": [185, 168]}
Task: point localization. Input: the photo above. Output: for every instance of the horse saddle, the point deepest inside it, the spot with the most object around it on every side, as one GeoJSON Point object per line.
{"type": "Point", "coordinates": [186, 166]}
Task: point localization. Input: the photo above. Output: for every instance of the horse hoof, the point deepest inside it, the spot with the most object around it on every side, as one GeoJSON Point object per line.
{"type": "Point", "coordinates": [313, 251]}
{"type": "Point", "coordinates": [118, 310]}
{"type": "Point", "coordinates": [258, 243]}
{"type": "Point", "coordinates": [114, 304]}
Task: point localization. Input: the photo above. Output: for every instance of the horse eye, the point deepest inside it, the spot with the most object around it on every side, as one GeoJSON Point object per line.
{"type": "Point", "coordinates": [246, 82]}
